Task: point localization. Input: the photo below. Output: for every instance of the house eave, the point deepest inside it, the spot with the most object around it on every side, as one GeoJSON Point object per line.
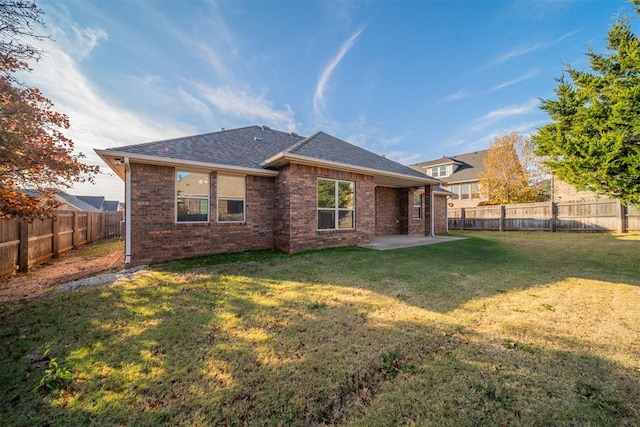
{"type": "Point", "coordinates": [381, 177]}
{"type": "Point", "coordinates": [110, 157]}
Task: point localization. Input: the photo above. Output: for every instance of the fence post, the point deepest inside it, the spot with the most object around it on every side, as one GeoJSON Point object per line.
{"type": "Point", "coordinates": [622, 223]}
{"type": "Point", "coordinates": [554, 216]}
{"type": "Point", "coordinates": [55, 240]}
{"type": "Point", "coordinates": [503, 213]}
{"type": "Point", "coordinates": [74, 230]}
{"type": "Point", "coordinates": [462, 218]}
{"type": "Point", "coordinates": [23, 247]}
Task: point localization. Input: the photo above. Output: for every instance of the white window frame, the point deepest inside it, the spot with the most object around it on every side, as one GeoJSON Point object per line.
{"type": "Point", "coordinates": [336, 209]}
{"type": "Point", "coordinates": [236, 199]}
{"type": "Point", "coordinates": [417, 206]}
{"type": "Point", "coordinates": [192, 196]}
{"type": "Point", "coordinates": [439, 171]}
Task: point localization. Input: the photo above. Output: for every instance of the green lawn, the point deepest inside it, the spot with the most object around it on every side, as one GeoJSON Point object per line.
{"type": "Point", "coordinates": [497, 329]}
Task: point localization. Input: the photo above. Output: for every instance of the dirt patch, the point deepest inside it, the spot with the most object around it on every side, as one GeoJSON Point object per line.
{"type": "Point", "coordinates": [47, 277]}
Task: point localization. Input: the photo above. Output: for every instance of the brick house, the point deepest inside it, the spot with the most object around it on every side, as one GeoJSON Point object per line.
{"type": "Point", "coordinates": [258, 188]}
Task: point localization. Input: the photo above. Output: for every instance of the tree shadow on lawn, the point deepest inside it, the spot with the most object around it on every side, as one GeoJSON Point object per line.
{"type": "Point", "coordinates": [230, 346]}
{"type": "Point", "coordinates": [446, 276]}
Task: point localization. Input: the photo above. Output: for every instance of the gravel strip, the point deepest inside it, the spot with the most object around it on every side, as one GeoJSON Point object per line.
{"type": "Point", "coordinates": [98, 280]}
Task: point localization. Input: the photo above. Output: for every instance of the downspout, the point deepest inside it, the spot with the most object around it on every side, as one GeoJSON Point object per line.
{"type": "Point", "coordinates": [446, 215]}
{"type": "Point", "coordinates": [431, 233]}
{"type": "Point", "coordinates": [127, 212]}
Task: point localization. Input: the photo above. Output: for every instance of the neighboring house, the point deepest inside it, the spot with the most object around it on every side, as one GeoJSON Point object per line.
{"type": "Point", "coordinates": [69, 202]}
{"type": "Point", "coordinates": [459, 175]}
{"type": "Point", "coordinates": [562, 191]}
{"type": "Point", "coordinates": [258, 188]}
{"type": "Point", "coordinates": [100, 203]}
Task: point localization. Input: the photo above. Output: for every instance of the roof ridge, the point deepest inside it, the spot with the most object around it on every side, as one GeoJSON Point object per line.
{"type": "Point", "coordinates": [195, 136]}
{"type": "Point", "coordinates": [302, 142]}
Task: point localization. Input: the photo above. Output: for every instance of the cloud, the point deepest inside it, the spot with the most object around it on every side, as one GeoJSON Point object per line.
{"type": "Point", "coordinates": [524, 49]}
{"type": "Point", "coordinates": [461, 94]}
{"type": "Point", "coordinates": [88, 39]}
{"type": "Point", "coordinates": [95, 123]}
{"type": "Point", "coordinates": [522, 78]}
{"type": "Point", "coordinates": [393, 141]}
{"type": "Point", "coordinates": [318, 98]}
{"type": "Point", "coordinates": [241, 103]}
{"type": "Point", "coordinates": [502, 113]}
{"type": "Point", "coordinates": [403, 157]}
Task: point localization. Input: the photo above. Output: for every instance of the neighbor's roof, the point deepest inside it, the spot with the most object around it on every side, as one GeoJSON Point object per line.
{"type": "Point", "coordinates": [95, 201]}
{"type": "Point", "coordinates": [469, 166]}
{"type": "Point", "coordinates": [111, 205]}
{"type": "Point", "coordinates": [258, 149]}
{"type": "Point", "coordinates": [76, 202]}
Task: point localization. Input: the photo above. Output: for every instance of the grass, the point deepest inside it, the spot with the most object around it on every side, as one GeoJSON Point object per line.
{"type": "Point", "coordinates": [497, 329]}
{"type": "Point", "coordinates": [100, 249]}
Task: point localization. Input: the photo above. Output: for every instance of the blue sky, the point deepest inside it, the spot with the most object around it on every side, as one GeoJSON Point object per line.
{"type": "Point", "coordinates": [413, 80]}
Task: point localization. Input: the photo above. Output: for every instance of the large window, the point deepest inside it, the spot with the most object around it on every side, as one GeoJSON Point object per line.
{"type": "Point", "coordinates": [465, 191]}
{"type": "Point", "coordinates": [192, 197]}
{"type": "Point", "coordinates": [439, 171]}
{"type": "Point", "coordinates": [417, 205]}
{"type": "Point", "coordinates": [336, 207]}
{"type": "Point", "coordinates": [231, 191]}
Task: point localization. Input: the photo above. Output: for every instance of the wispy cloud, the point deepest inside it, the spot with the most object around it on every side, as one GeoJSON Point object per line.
{"type": "Point", "coordinates": [524, 49]}
{"type": "Point", "coordinates": [95, 123]}
{"type": "Point", "coordinates": [461, 94]}
{"type": "Point", "coordinates": [502, 113]}
{"type": "Point", "coordinates": [526, 76]}
{"type": "Point", "coordinates": [241, 103]}
{"type": "Point", "coordinates": [393, 141]}
{"type": "Point", "coordinates": [318, 98]}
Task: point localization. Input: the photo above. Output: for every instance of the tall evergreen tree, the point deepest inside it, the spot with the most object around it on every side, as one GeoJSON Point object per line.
{"type": "Point", "coordinates": [593, 141]}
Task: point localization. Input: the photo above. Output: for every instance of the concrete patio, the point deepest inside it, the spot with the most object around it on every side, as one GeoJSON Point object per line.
{"type": "Point", "coordinates": [383, 243]}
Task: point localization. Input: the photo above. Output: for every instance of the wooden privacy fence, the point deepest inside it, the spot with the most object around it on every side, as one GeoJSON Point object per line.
{"type": "Point", "coordinates": [24, 245]}
{"type": "Point", "coordinates": [599, 215]}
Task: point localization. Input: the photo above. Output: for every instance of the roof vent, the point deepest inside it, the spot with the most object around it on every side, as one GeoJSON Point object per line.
{"type": "Point", "coordinates": [295, 135]}
{"type": "Point", "coordinates": [263, 127]}
{"type": "Point", "coordinates": [257, 138]}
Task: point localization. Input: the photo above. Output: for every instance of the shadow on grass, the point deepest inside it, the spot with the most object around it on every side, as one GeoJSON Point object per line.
{"type": "Point", "coordinates": [335, 336]}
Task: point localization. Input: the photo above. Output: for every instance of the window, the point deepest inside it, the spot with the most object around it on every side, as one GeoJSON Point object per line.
{"type": "Point", "coordinates": [192, 197]}
{"type": "Point", "coordinates": [231, 191]}
{"type": "Point", "coordinates": [439, 171]}
{"type": "Point", "coordinates": [417, 205]}
{"type": "Point", "coordinates": [465, 191]}
{"type": "Point", "coordinates": [455, 189]}
{"type": "Point", "coordinates": [336, 208]}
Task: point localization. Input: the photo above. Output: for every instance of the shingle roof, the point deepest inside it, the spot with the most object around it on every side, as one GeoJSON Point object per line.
{"type": "Point", "coordinates": [470, 165]}
{"type": "Point", "coordinates": [322, 146]}
{"type": "Point", "coordinates": [111, 205]}
{"type": "Point", "coordinates": [76, 202]}
{"type": "Point", "coordinates": [250, 147]}
{"type": "Point", "coordinates": [95, 201]}
{"type": "Point", "coordinates": [244, 147]}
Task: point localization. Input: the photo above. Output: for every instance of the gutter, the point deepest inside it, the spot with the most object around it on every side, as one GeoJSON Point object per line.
{"type": "Point", "coordinates": [109, 158]}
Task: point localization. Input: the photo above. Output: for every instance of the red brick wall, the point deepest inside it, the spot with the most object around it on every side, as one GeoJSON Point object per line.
{"type": "Point", "coordinates": [297, 210]}
{"type": "Point", "coordinates": [155, 236]}
{"type": "Point", "coordinates": [387, 212]}
{"type": "Point", "coordinates": [440, 213]}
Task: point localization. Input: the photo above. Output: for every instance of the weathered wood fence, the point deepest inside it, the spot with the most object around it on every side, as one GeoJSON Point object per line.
{"type": "Point", "coordinates": [600, 215]}
{"type": "Point", "coordinates": [24, 245]}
